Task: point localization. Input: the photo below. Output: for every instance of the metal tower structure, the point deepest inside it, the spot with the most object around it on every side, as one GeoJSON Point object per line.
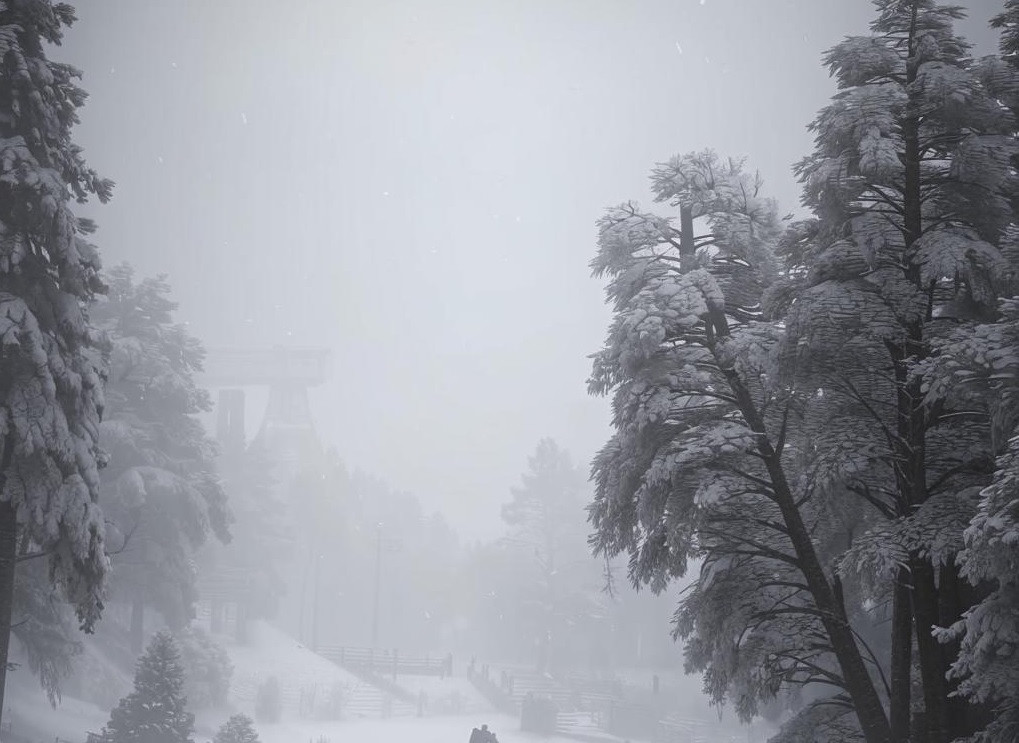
{"type": "Point", "coordinates": [286, 435]}
{"type": "Point", "coordinates": [287, 428]}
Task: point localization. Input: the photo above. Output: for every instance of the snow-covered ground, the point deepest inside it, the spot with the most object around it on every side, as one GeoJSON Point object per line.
{"type": "Point", "coordinates": [419, 730]}
{"type": "Point", "coordinates": [31, 715]}
{"type": "Point", "coordinates": [447, 695]}
{"type": "Point", "coordinates": [271, 652]}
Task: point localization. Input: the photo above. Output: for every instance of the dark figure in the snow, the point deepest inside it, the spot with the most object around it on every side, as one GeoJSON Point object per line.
{"type": "Point", "coordinates": [484, 735]}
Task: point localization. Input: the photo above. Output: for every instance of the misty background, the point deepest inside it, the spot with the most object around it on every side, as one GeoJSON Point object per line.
{"type": "Point", "coordinates": [414, 186]}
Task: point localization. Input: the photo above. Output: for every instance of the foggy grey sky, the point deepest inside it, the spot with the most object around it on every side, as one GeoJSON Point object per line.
{"type": "Point", "coordinates": [414, 185]}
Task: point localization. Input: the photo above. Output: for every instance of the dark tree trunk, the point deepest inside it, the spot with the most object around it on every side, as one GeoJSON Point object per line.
{"type": "Point", "coordinates": [932, 667]}
{"type": "Point", "coordinates": [8, 562]}
{"type": "Point", "coordinates": [137, 624]}
{"type": "Point", "coordinates": [858, 683]}
{"type": "Point", "coordinates": [902, 658]}
{"type": "Point", "coordinates": [963, 717]}
{"type": "Point", "coordinates": [687, 244]}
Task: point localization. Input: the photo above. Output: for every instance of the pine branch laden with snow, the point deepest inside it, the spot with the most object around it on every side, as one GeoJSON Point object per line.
{"type": "Point", "coordinates": [988, 661]}
{"type": "Point", "coordinates": [156, 710]}
{"type": "Point", "coordinates": [913, 190]}
{"type": "Point", "coordinates": [163, 493]}
{"type": "Point", "coordinates": [45, 628]}
{"type": "Point", "coordinates": [707, 442]}
{"type": "Point", "coordinates": [560, 588]}
{"type": "Point", "coordinates": [238, 729]}
{"type": "Point", "coordinates": [51, 393]}
{"type": "Point", "coordinates": [982, 365]}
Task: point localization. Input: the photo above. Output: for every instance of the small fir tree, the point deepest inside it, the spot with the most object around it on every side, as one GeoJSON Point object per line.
{"type": "Point", "coordinates": [238, 729]}
{"type": "Point", "coordinates": [155, 712]}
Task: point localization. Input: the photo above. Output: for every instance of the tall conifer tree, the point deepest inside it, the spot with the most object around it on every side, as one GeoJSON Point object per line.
{"type": "Point", "coordinates": [51, 387]}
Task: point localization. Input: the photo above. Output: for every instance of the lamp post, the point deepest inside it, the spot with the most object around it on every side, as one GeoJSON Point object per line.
{"type": "Point", "coordinates": [316, 593]}
{"type": "Point", "coordinates": [378, 584]}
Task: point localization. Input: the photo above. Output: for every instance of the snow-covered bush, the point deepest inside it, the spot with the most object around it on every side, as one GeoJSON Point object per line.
{"type": "Point", "coordinates": [238, 729]}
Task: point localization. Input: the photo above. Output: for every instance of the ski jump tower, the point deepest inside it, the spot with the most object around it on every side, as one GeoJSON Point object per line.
{"type": "Point", "coordinates": [286, 437]}
{"type": "Point", "coordinates": [287, 430]}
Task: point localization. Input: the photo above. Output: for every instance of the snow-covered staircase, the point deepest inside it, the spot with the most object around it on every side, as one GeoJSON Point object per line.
{"type": "Point", "coordinates": [310, 686]}
{"type": "Point", "coordinates": [311, 698]}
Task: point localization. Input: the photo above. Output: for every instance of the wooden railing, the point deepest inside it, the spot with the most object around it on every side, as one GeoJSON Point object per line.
{"type": "Point", "coordinates": [386, 662]}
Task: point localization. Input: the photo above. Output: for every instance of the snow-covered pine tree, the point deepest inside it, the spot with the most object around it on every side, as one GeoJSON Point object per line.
{"type": "Point", "coordinates": [156, 710]}
{"type": "Point", "coordinates": [238, 729]}
{"type": "Point", "coordinates": [546, 518]}
{"type": "Point", "coordinates": [262, 533]}
{"type": "Point", "coordinates": [161, 489]}
{"type": "Point", "coordinates": [982, 364]}
{"type": "Point", "coordinates": [698, 466]}
{"type": "Point", "coordinates": [51, 389]}
{"type": "Point", "coordinates": [911, 186]}
{"type": "Point", "coordinates": [44, 627]}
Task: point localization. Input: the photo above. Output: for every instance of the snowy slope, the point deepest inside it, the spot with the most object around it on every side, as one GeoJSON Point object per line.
{"type": "Point", "coordinates": [307, 681]}
{"type": "Point", "coordinates": [31, 715]}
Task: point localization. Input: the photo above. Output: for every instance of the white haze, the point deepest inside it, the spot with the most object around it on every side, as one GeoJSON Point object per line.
{"type": "Point", "coordinates": [414, 185]}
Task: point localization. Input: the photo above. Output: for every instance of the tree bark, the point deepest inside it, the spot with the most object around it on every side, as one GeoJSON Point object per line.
{"type": "Point", "coordinates": [857, 680]}
{"type": "Point", "coordinates": [858, 683]}
{"type": "Point", "coordinates": [902, 658]}
{"type": "Point", "coordinates": [8, 563]}
{"type": "Point", "coordinates": [962, 714]}
{"type": "Point", "coordinates": [932, 667]}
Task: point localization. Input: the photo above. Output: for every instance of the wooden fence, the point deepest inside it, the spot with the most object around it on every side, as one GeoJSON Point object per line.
{"type": "Point", "coordinates": [387, 662]}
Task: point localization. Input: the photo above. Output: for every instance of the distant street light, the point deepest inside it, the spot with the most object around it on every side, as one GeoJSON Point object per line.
{"type": "Point", "coordinates": [391, 546]}
{"type": "Point", "coordinates": [378, 582]}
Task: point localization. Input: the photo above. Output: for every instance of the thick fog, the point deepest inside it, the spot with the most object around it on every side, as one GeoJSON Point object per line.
{"type": "Point", "coordinates": [414, 186]}
{"type": "Point", "coordinates": [386, 506]}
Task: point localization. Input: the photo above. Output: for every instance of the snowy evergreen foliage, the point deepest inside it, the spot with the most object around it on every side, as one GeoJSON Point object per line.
{"type": "Point", "coordinates": [870, 375]}
{"type": "Point", "coordinates": [238, 729]}
{"type": "Point", "coordinates": [44, 627]}
{"type": "Point", "coordinates": [912, 189]}
{"type": "Point", "coordinates": [161, 490]}
{"type": "Point", "coordinates": [51, 390]}
{"type": "Point", "coordinates": [705, 458]}
{"type": "Point", "coordinates": [262, 532]}
{"type": "Point", "coordinates": [547, 529]}
{"type": "Point", "coordinates": [982, 363]}
{"type": "Point", "coordinates": [207, 668]}
{"type": "Point", "coordinates": [51, 397]}
{"type": "Point", "coordinates": [155, 711]}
